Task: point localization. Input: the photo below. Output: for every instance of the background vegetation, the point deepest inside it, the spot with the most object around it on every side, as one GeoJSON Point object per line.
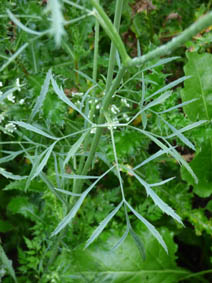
{"type": "Point", "coordinates": [30, 207]}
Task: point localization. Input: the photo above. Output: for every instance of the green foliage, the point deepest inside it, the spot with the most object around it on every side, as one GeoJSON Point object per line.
{"type": "Point", "coordinates": [93, 159]}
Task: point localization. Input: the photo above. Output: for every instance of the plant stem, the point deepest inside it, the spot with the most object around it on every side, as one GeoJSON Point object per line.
{"type": "Point", "coordinates": [117, 19]}
{"type": "Point", "coordinates": [176, 42]}
{"type": "Point", "coordinates": [118, 11]}
{"type": "Point", "coordinates": [111, 31]}
{"type": "Point", "coordinates": [101, 120]}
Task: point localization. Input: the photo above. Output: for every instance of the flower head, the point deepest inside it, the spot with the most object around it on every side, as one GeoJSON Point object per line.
{"type": "Point", "coordinates": [10, 127]}
{"type": "Point", "coordinates": [11, 97]}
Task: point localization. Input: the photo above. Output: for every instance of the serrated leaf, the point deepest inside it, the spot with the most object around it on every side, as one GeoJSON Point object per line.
{"type": "Point", "coordinates": [7, 263]}
{"type": "Point", "coordinates": [179, 135]}
{"type": "Point", "coordinates": [29, 127]}
{"type": "Point", "coordinates": [172, 151]}
{"type": "Point", "coordinates": [169, 86]}
{"type": "Point", "coordinates": [151, 228]}
{"type": "Point", "coordinates": [102, 225]}
{"type": "Point", "coordinates": [63, 97]}
{"type": "Point", "coordinates": [157, 200]}
{"type": "Point", "coordinates": [42, 95]}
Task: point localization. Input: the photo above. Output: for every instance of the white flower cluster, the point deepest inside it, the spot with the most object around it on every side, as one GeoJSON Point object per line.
{"type": "Point", "coordinates": [10, 127]}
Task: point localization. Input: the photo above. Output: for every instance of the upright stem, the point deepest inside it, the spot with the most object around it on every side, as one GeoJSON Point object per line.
{"type": "Point", "coordinates": [109, 92]}
{"type": "Point", "coordinates": [101, 120]}
{"type": "Point", "coordinates": [117, 19]}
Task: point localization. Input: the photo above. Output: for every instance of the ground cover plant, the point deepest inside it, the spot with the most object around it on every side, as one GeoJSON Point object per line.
{"type": "Point", "coordinates": [105, 155]}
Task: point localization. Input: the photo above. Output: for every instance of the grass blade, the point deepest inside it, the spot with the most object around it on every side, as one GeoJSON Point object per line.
{"type": "Point", "coordinates": [102, 225]}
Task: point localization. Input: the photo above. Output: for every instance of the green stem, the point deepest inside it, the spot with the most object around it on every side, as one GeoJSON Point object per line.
{"type": "Point", "coordinates": [117, 19]}
{"type": "Point", "coordinates": [118, 11]}
{"type": "Point", "coordinates": [176, 42]}
{"type": "Point", "coordinates": [111, 31]}
{"type": "Point", "coordinates": [101, 120]}
{"type": "Point", "coordinates": [96, 51]}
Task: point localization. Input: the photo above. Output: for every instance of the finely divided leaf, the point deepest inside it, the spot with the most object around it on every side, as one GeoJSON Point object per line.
{"type": "Point", "coordinates": [157, 200]}
{"type": "Point", "coordinates": [74, 148]}
{"type": "Point", "coordinates": [68, 218]}
{"type": "Point", "coordinates": [34, 129]}
{"type": "Point", "coordinates": [102, 225]}
{"type": "Point", "coordinates": [151, 228]}
{"type": "Point", "coordinates": [40, 167]}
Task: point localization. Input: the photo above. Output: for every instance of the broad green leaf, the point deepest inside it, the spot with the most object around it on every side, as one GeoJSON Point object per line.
{"type": "Point", "coordinates": [151, 228]}
{"type": "Point", "coordinates": [68, 218]}
{"type": "Point", "coordinates": [34, 129]}
{"type": "Point", "coordinates": [102, 225]}
{"type": "Point", "coordinates": [198, 86]}
{"type": "Point", "coordinates": [7, 263]}
{"type": "Point", "coordinates": [74, 148]}
{"type": "Point", "coordinates": [42, 95]}
{"type": "Point", "coordinates": [100, 263]}
{"type": "Point", "coordinates": [202, 165]}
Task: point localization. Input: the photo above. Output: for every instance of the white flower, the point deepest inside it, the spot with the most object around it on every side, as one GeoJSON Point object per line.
{"type": "Point", "coordinates": [21, 102]}
{"type": "Point", "coordinates": [10, 127]}
{"type": "Point", "coordinates": [1, 118]}
{"type": "Point", "coordinates": [115, 109]}
{"type": "Point", "coordinates": [93, 131]}
{"type": "Point", "coordinates": [97, 106]}
{"type": "Point", "coordinates": [11, 97]}
{"type": "Point", "coordinates": [1, 92]}
{"type": "Point", "coordinates": [124, 100]}
{"type": "Point", "coordinates": [126, 117]}
{"type": "Point", "coordinates": [1, 84]}
{"type": "Point", "coordinates": [18, 84]}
